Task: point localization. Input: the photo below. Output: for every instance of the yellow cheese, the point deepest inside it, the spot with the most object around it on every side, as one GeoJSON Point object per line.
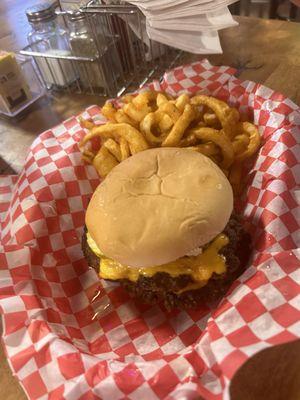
{"type": "Point", "coordinates": [92, 245]}
{"type": "Point", "coordinates": [200, 267]}
{"type": "Point", "coordinates": [192, 286]}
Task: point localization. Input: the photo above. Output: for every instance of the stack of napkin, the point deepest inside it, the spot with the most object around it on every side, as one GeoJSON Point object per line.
{"type": "Point", "coordinates": [189, 25]}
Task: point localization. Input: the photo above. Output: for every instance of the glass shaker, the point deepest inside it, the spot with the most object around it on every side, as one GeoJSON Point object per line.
{"type": "Point", "coordinates": [48, 38]}
{"type": "Point", "coordinates": [104, 71]}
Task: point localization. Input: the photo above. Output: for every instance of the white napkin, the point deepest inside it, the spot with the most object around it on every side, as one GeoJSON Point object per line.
{"type": "Point", "coordinates": [204, 42]}
{"type": "Point", "coordinates": [189, 25]}
{"type": "Point", "coordinates": [219, 19]}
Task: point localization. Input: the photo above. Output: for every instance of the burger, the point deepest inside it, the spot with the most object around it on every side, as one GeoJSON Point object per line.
{"type": "Point", "coordinates": [162, 225]}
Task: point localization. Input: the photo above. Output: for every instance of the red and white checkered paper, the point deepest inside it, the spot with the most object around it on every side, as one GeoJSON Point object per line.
{"type": "Point", "coordinates": [132, 351]}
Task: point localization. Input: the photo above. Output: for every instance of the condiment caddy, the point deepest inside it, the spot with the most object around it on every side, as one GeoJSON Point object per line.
{"type": "Point", "coordinates": [99, 49]}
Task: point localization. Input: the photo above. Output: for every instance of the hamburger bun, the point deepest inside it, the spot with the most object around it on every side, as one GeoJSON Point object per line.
{"type": "Point", "coordinates": [158, 206]}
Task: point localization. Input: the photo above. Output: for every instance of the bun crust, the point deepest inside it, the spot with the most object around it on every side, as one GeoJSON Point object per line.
{"type": "Point", "coordinates": [159, 205]}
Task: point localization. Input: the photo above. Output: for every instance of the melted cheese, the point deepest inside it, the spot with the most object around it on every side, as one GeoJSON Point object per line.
{"type": "Point", "coordinates": [200, 267]}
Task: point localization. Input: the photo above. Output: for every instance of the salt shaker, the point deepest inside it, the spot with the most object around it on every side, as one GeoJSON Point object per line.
{"type": "Point", "coordinates": [48, 38]}
{"type": "Point", "coordinates": [102, 72]}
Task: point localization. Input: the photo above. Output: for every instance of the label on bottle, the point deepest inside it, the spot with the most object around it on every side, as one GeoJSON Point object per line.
{"type": "Point", "coordinates": [14, 90]}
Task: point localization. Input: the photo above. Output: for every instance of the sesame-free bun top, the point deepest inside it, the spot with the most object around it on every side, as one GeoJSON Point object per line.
{"type": "Point", "coordinates": [159, 205]}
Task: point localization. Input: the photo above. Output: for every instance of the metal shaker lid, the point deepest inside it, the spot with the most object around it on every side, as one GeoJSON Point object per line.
{"type": "Point", "coordinates": [40, 12]}
{"type": "Point", "coordinates": [75, 15]}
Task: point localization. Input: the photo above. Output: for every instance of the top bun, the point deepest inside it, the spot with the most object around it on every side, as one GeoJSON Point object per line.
{"type": "Point", "coordinates": [159, 205]}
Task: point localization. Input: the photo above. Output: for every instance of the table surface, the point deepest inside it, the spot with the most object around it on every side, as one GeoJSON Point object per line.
{"type": "Point", "coordinates": [265, 51]}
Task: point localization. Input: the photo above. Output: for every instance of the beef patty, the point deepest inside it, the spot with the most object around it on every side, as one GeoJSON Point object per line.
{"type": "Point", "coordinates": [163, 287]}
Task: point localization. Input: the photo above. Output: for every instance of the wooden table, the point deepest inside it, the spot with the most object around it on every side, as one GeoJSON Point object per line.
{"type": "Point", "coordinates": [264, 51]}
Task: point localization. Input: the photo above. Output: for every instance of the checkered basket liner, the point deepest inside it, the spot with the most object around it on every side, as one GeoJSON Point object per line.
{"type": "Point", "coordinates": [55, 345]}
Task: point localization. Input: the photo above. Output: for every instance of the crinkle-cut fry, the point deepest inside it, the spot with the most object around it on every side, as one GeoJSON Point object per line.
{"type": "Point", "coordinates": [128, 132]}
{"type": "Point", "coordinates": [254, 140]}
{"type": "Point", "coordinates": [179, 127]}
{"type": "Point", "coordinates": [240, 143]}
{"type": "Point", "coordinates": [170, 109]}
{"type": "Point", "coordinates": [104, 162]}
{"type": "Point", "coordinates": [227, 116]}
{"type": "Point", "coordinates": [109, 111]}
{"type": "Point", "coordinates": [86, 123]}
{"type": "Point", "coordinates": [114, 148]}
{"type": "Point", "coordinates": [220, 139]}
{"type": "Point", "coordinates": [136, 114]}
{"type": "Point", "coordinates": [146, 127]}
{"type": "Point", "coordinates": [121, 117]}
{"type": "Point", "coordinates": [182, 101]}
{"type": "Point", "coordinates": [124, 147]}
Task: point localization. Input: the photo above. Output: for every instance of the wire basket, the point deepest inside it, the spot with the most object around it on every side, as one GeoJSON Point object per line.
{"type": "Point", "coordinates": [125, 57]}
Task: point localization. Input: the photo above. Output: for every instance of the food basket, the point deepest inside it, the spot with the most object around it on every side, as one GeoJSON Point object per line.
{"type": "Point", "coordinates": [67, 335]}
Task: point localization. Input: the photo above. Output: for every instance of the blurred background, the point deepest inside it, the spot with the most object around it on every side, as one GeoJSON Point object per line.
{"type": "Point", "coordinates": [14, 25]}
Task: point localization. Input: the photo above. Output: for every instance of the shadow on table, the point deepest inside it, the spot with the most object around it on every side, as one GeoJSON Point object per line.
{"type": "Point", "coordinates": [273, 373]}
{"type": "Point", "coordinates": [6, 169]}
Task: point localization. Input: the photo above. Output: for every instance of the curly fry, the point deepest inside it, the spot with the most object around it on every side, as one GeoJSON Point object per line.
{"type": "Point", "coordinates": [152, 119]}
{"type": "Point", "coordinates": [235, 176]}
{"type": "Point", "coordinates": [104, 162]}
{"type": "Point", "coordinates": [121, 117]}
{"type": "Point", "coordinates": [240, 143]}
{"type": "Point", "coordinates": [144, 98]}
{"type": "Point", "coordinates": [109, 111]}
{"type": "Point", "coordinates": [171, 110]}
{"type": "Point", "coordinates": [235, 173]}
{"type": "Point", "coordinates": [227, 116]}
{"type": "Point", "coordinates": [124, 147]}
{"type": "Point", "coordinates": [179, 127]}
{"type": "Point", "coordinates": [146, 127]}
{"type": "Point", "coordinates": [189, 140]}
{"type": "Point", "coordinates": [254, 140]}
{"type": "Point", "coordinates": [88, 155]}
{"type": "Point", "coordinates": [86, 123]}
{"type": "Point", "coordinates": [161, 99]}
{"type": "Point", "coordinates": [132, 135]}
{"type": "Point", "coordinates": [211, 120]}
{"type": "Point", "coordinates": [182, 101]}
{"type": "Point", "coordinates": [114, 148]}
{"type": "Point", "coordinates": [88, 159]}
{"type": "Point", "coordinates": [220, 139]}
{"type": "Point", "coordinates": [207, 149]}
{"type": "Point", "coordinates": [127, 98]}
{"type": "Point", "coordinates": [165, 122]}
{"type": "Point", "coordinates": [136, 114]}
